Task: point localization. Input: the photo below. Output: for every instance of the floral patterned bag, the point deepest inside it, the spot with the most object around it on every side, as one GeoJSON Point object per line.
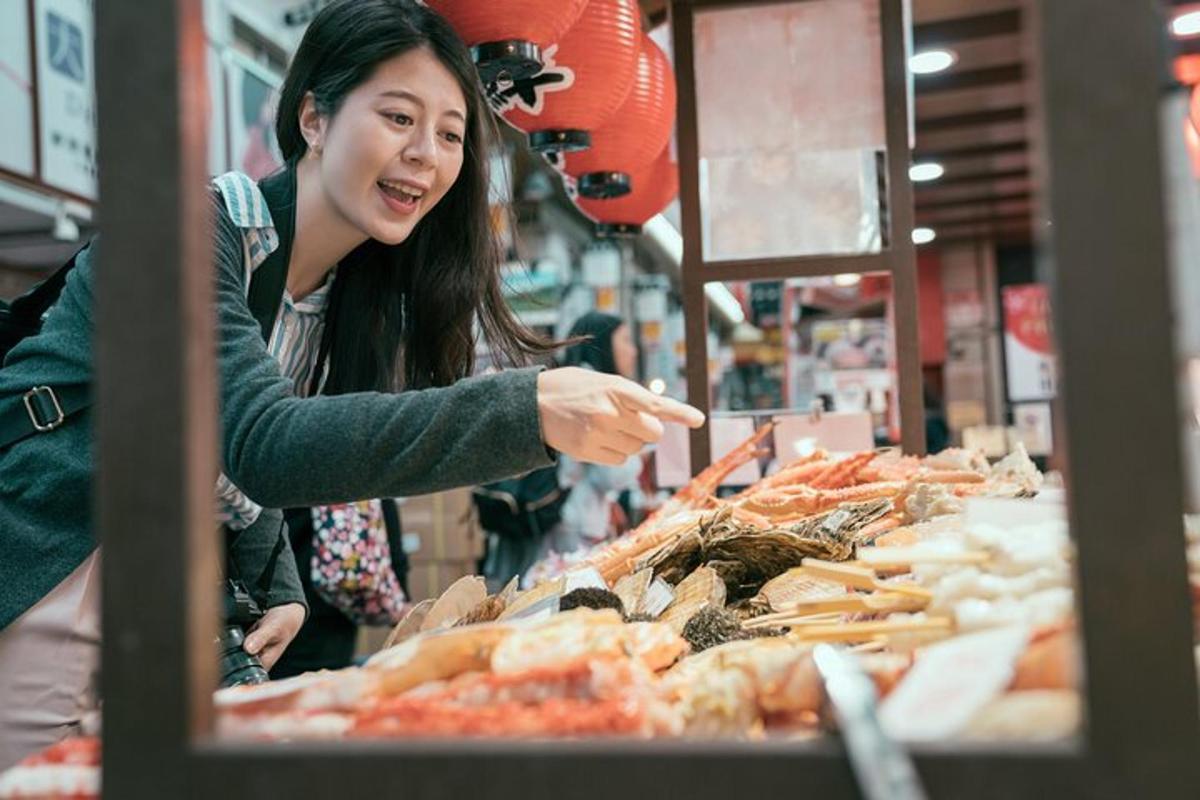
{"type": "Point", "coordinates": [352, 563]}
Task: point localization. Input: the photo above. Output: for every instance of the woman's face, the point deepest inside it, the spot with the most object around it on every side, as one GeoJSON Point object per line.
{"type": "Point", "coordinates": [395, 146]}
{"type": "Point", "coordinates": [624, 352]}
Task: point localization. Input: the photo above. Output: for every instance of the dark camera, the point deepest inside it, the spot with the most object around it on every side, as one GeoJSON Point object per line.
{"type": "Point", "coordinates": [237, 667]}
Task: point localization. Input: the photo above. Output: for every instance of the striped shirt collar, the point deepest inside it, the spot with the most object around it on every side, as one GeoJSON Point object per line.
{"type": "Point", "coordinates": [245, 203]}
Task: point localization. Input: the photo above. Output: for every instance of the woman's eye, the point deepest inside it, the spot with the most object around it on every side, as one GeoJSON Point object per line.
{"type": "Point", "coordinates": [400, 119]}
{"type": "Point", "coordinates": [453, 137]}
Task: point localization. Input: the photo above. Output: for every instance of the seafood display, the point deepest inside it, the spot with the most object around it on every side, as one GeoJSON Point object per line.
{"type": "Point", "coordinates": [851, 500]}
{"type": "Point", "coordinates": [68, 770]}
{"type": "Point", "coordinates": [946, 578]}
{"type": "Point", "coordinates": [702, 622]}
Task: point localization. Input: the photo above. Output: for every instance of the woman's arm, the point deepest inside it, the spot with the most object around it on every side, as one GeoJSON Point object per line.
{"type": "Point", "coordinates": [282, 450]}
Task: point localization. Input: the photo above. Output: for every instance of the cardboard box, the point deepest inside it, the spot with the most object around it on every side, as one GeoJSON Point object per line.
{"type": "Point", "coordinates": [431, 578]}
{"type": "Point", "coordinates": [441, 527]}
{"type": "Point", "coordinates": [370, 640]}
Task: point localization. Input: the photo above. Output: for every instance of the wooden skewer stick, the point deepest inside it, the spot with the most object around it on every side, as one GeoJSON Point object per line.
{"type": "Point", "coordinates": [861, 578]}
{"type": "Point", "coordinates": [868, 631]}
{"type": "Point", "coordinates": [854, 577]}
{"type": "Point", "coordinates": [872, 646]}
{"type": "Point", "coordinates": [790, 620]}
{"type": "Point", "coordinates": [893, 557]}
{"type": "Point", "coordinates": [879, 602]}
{"type": "Point", "coordinates": [910, 590]}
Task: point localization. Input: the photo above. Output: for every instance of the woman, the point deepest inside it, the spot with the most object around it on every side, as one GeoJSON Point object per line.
{"type": "Point", "coordinates": [606, 347]}
{"type": "Point", "coordinates": [381, 217]}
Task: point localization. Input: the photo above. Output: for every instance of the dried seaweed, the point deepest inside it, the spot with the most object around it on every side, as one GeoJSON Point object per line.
{"type": "Point", "coordinates": [746, 556]}
{"type": "Point", "coordinates": [590, 597]}
{"type": "Point", "coordinates": [710, 627]}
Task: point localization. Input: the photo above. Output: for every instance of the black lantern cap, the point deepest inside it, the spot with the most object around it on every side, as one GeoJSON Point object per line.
{"type": "Point", "coordinates": [566, 141]}
{"type": "Point", "coordinates": [605, 185]}
{"type": "Point", "coordinates": [511, 60]}
{"type": "Point", "coordinates": [617, 230]}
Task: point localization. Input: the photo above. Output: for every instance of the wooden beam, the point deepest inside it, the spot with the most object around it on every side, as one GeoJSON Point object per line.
{"type": "Point", "coordinates": [985, 219]}
{"type": "Point", "coordinates": [971, 119]}
{"type": "Point", "coordinates": [953, 80]}
{"type": "Point", "coordinates": [946, 32]}
{"type": "Point", "coordinates": [973, 200]}
{"type": "Point", "coordinates": [981, 177]}
{"type": "Point", "coordinates": [991, 149]}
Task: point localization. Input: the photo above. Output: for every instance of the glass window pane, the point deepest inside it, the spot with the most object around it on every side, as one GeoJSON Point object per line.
{"type": "Point", "coordinates": [791, 139]}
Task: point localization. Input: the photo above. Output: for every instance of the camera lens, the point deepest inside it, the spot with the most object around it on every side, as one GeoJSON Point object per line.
{"type": "Point", "coordinates": [237, 667]}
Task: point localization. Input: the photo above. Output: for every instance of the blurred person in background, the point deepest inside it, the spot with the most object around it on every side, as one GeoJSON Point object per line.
{"type": "Point", "coordinates": [591, 513]}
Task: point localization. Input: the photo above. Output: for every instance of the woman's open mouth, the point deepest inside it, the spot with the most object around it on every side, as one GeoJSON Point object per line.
{"type": "Point", "coordinates": [399, 198]}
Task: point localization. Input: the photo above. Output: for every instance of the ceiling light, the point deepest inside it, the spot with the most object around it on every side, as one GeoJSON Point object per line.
{"type": "Point", "coordinates": [660, 229]}
{"type": "Point", "coordinates": [923, 235]}
{"type": "Point", "coordinates": [928, 62]}
{"type": "Point", "coordinates": [929, 171]}
{"type": "Point", "coordinates": [847, 279]}
{"type": "Point", "coordinates": [1186, 24]}
{"type": "Point", "coordinates": [726, 304]}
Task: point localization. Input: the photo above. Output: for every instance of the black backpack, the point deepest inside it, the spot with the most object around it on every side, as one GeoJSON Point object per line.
{"type": "Point", "coordinates": [521, 508]}
{"type": "Point", "coordinates": [23, 316]}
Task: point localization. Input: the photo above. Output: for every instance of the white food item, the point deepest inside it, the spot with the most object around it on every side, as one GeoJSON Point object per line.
{"type": "Point", "coordinates": [50, 780]}
{"type": "Point", "coordinates": [1027, 580]}
{"type": "Point", "coordinates": [295, 727]}
{"type": "Point", "coordinates": [1038, 715]}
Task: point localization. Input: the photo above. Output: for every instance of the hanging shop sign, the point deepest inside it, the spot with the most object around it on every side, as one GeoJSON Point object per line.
{"type": "Point", "coordinates": [799, 435]}
{"type": "Point", "coordinates": [16, 89]}
{"type": "Point", "coordinates": [1028, 350]}
{"type": "Point", "coordinates": [66, 94]}
{"type": "Point", "coordinates": [1033, 423]}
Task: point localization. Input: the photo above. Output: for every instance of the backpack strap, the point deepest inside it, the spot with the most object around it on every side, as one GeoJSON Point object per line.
{"type": "Point", "coordinates": [42, 408]}
{"type": "Point", "coordinates": [277, 195]}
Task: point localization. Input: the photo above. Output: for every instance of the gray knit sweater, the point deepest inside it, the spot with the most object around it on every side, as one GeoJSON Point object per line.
{"type": "Point", "coordinates": [281, 450]}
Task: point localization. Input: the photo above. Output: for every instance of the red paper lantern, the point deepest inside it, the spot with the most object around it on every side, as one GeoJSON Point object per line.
{"type": "Point", "coordinates": [507, 37]}
{"type": "Point", "coordinates": [635, 135]}
{"type": "Point", "coordinates": [1187, 69]}
{"type": "Point", "coordinates": [583, 81]}
{"type": "Point", "coordinates": [653, 188]}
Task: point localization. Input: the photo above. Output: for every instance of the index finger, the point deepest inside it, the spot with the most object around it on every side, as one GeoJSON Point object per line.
{"type": "Point", "coordinates": [664, 408]}
{"type": "Point", "coordinates": [642, 425]}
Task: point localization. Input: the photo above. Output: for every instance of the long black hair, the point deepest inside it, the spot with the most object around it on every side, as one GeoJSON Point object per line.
{"type": "Point", "coordinates": [404, 316]}
{"type": "Point", "coordinates": [594, 349]}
